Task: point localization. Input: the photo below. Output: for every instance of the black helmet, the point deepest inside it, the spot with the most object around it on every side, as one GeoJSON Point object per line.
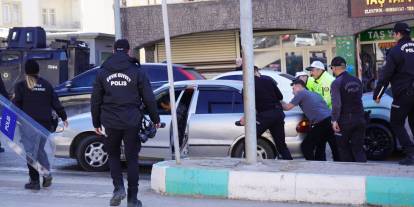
{"type": "Point", "coordinates": [148, 130]}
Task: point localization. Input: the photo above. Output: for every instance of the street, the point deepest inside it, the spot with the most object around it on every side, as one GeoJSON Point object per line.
{"type": "Point", "coordinates": [74, 187]}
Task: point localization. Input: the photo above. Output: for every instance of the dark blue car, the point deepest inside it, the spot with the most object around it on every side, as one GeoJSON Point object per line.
{"type": "Point", "coordinates": [156, 72]}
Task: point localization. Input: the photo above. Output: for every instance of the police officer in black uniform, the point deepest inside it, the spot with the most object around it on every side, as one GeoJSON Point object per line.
{"type": "Point", "coordinates": [4, 93]}
{"type": "Point", "coordinates": [399, 71]}
{"type": "Point", "coordinates": [348, 116]}
{"type": "Point", "coordinates": [119, 91]}
{"type": "Point", "coordinates": [269, 112]}
{"type": "Point", "coordinates": [37, 98]}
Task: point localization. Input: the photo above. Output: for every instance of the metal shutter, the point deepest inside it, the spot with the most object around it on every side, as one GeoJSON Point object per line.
{"type": "Point", "coordinates": [208, 52]}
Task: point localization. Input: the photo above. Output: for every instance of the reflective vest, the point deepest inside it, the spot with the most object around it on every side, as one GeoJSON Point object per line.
{"type": "Point", "coordinates": [322, 86]}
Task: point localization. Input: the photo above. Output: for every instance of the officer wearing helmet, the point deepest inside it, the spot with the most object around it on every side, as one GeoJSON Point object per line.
{"type": "Point", "coordinates": [119, 91]}
{"type": "Point", "coordinates": [399, 71]}
{"type": "Point", "coordinates": [309, 81]}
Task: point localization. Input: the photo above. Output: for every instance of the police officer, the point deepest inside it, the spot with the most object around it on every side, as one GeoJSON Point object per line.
{"type": "Point", "coordinates": [4, 93]}
{"type": "Point", "coordinates": [119, 91]}
{"type": "Point", "coordinates": [348, 117]}
{"type": "Point", "coordinates": [37, 98]}
{"type": "Point", "coordinates": [399, 71]}
{"type": "Point", "coordinates": [269, 111]}
{"type": "Point", "coordinates": [322, 81]}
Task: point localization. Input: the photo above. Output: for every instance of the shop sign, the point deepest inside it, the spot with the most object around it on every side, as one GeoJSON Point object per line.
{"type": "Point", "coordinates": [363, 8]}
{"type": "Point", "coordinates": [379, 34]}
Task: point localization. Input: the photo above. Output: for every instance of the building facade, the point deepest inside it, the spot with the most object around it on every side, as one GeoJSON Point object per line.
{"type": "Point", "coordinates": [288, 35]}
{"type": "Point", "coordinates": [59, 15]}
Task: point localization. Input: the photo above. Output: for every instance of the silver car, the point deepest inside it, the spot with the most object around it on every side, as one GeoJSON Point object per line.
{"type": "Point", "coordinates": [207, 110]}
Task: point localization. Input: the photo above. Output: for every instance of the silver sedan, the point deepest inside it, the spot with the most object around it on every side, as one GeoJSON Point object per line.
{"type": "Point", "coordinates": [207, 111]}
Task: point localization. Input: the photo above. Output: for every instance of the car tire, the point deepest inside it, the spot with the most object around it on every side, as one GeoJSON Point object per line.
{"type": "Point", "coordinates": [379, 142]}
{"type": "Point", "coordinates": [265, 150]}
{"type": "Point", "coordinates": [91, 154]}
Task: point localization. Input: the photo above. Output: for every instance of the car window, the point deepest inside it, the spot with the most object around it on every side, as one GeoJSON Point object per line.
{"type": "Point", "coordinates": [157, 73]}
{"type": "Point", "coordinates": [231, 77]}
{"type": "Point", "coordinates": [163, 101]}
{"type": "Point", "coordinates": [219, 101]}
{"type": "Point", "coordinates": [86, 79]}
{"type": "Point", "coordinates": [288, 76]}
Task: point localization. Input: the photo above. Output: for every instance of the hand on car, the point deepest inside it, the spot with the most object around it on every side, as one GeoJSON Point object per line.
{"type": "Point", "coordinates": [98, 131]}
{"type": "Point", "coordinates": [335, 127]}
{"type": "Point", "coordinates": [242, 122]}
{"type": "Point", "coordinates": [66, 123]}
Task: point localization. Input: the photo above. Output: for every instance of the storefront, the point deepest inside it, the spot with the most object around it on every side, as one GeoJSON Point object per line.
{"type": "Point", "coordinates": [288, 35]}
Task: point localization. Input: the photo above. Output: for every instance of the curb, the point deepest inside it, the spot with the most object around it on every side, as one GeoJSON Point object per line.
{"type": "Point", "coordinates": [282, 186]}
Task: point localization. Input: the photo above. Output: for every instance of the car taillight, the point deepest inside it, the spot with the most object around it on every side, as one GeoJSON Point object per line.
{"type": "Point", "coordinates": [187, 74]}
{"type": "Point", "coordinates": [303, 126]}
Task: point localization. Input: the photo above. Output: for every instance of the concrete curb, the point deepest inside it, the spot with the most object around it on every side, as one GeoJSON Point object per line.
{"type": "Point", "coordinates": [247, 184]}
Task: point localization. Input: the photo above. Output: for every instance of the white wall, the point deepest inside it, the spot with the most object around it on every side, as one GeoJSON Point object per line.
{"type": "Point", "coordinates": [97, 16]}
{"type": "Point", "coordinates": [31, 13]}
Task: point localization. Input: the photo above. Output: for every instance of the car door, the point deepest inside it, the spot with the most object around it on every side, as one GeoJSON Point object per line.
{"type": "Point", "coordinates": [159, 146]}
{"type": "Point", "coordinates": [211, 127]}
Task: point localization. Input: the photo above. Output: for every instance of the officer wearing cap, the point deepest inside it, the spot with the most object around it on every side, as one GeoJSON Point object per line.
{"type": "Point", "coordinates": [322, 81]}
{"type": "Point", "coordinates": [119, 91]}
{"type": "Point", "coordinates": [348, 116]}
{"type": "Point", "coordinates": [399, 71]}
{"type": "Point", "coordinates": [269, 112]}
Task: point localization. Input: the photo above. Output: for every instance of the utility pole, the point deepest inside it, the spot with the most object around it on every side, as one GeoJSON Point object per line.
{"type": "Point", "coordinates": [171, 81]}
{"type": "Point", "coordinates": [117, 16]}
{"type": "Point", "coordinates": [246, 33]}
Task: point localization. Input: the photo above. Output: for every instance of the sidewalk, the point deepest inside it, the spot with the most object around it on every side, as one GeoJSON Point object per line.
{"type": "Point", "coordinates": [297, 181]}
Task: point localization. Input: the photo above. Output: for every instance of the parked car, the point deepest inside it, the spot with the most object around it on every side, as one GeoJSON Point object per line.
{"type": "Point", "coordinates": [75, 94]}
{"type": "Point", "coordinates": [283, 80]}
{"type": "Point", "coordinates": [157, 74]}
{"type": "Point", "coordinates": [380, 142]}
{"type": "Point", "coordinates": [210, 109]}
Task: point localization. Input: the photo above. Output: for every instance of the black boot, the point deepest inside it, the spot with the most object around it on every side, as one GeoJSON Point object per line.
{"type": "Point", "coordinates": [132, 198]}
{"type": "Point", "coordinates": [409, 160]}
{"type": "Point", "coordinates": [47, 181]}
{"type": "Point", "coordinates": [118, 195]}
{"type": "Point", "coordinates": [32, 185]}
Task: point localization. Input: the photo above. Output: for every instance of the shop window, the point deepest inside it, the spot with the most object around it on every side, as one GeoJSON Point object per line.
{"type": "Point", "coordinates": [318, 56]}
{"type": "Point", "coordinates": [266, 41]}
{"type": "Point", "coordinates": [305, 39]}
{"type": "Point", "coordinates": [294, 62]}
{"type": "Point", "coordinates": [268, 60]}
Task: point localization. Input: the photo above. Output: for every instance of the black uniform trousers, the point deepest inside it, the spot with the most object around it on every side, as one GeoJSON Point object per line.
{"type": "Point", "coordinates": [314, 145]}
{"type": "Point", "coordinates": [273, 121]}
{"type": "Point", "coordinates": [36, 149]}
{"type": "Point", "coordinates": [350, 140]}
{"type": "Point", "coordinates": [132, 146]}
{"type": "Point", "coordinates": [403, 107]}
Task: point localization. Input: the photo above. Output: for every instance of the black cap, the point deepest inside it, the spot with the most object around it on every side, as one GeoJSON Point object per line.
{"type": "Point", "coordinates": [31, 67]}
{"type": "Point", "coordinates": [401, 27]}
{"type": "Point", "coordinates": [298, 81]}
{"type": "Point", "coordinates": [121, 45]}
{"type": "Point", "coordinates": [338, 61]}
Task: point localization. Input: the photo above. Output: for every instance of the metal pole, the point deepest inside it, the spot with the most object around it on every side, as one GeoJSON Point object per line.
{"type": "Point", "coordinates": [246, 33]}
{"type": "Point", "coordinates": [117, 16]}
{"type": "Point", "coordinates": [171, 81]}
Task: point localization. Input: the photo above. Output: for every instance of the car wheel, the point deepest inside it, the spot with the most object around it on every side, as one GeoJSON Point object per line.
{"type": "Point", "coordinates": [91, 155]}
{"type": "Point", "coordinates": [264, 150]}
{"type": "Point", "coordinates": [379, 142]}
